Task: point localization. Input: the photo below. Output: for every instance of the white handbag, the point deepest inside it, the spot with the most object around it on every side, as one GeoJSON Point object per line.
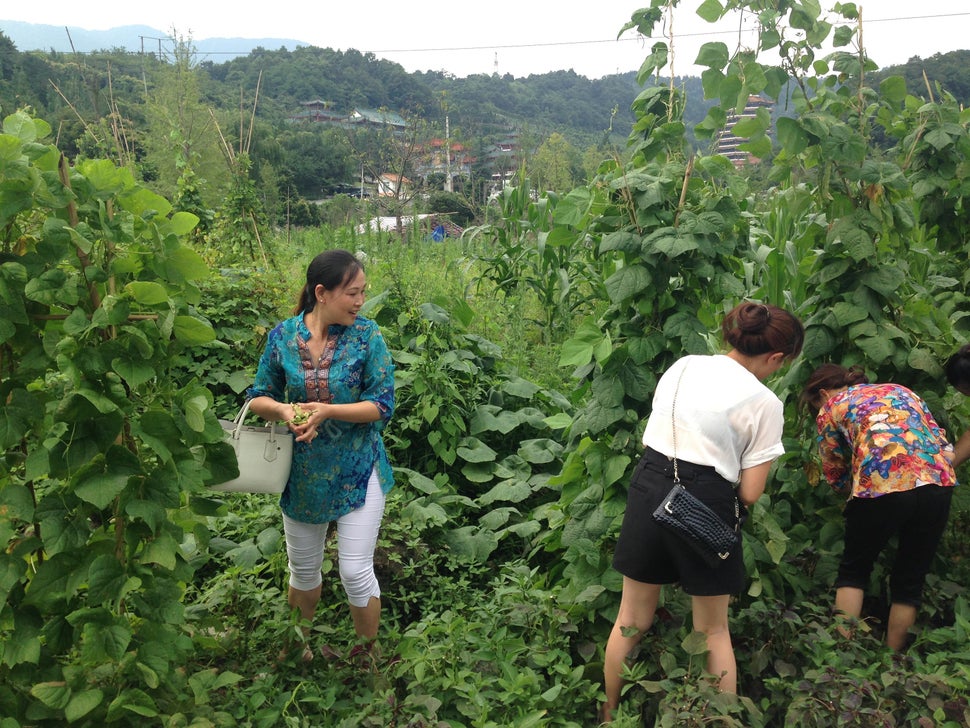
{"type": "Point", "coordinates": [264, 456]}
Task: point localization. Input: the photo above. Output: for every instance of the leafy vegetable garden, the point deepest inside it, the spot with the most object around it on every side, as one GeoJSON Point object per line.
{"type": "Point", "coordinates": [527, 354]}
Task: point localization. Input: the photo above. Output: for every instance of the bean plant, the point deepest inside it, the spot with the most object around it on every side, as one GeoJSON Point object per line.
{"type": "Point", "coordinates": [134, 594]}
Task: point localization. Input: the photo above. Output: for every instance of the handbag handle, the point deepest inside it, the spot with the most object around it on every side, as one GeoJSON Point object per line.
{"type": "Point", "coordinates": [241, 417]}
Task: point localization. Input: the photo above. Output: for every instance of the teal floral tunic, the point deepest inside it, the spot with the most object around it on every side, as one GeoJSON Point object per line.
{"type": "Point", "coordinates": [329, 474]}
{"type": "Point", "coordinates": [876, 439]}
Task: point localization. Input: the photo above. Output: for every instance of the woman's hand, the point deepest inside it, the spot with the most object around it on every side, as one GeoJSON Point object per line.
{"type": "Point", "coordinates": [305, 419]}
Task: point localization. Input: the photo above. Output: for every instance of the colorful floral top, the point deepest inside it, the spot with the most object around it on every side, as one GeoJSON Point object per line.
{"type": "Point", "coordinates": [330, 473]}
{"type": "Point", "coordinates": [876, 439]}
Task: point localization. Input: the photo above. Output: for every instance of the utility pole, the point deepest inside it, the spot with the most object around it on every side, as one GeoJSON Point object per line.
{"type": "Point", "coordinates": [448, 185]}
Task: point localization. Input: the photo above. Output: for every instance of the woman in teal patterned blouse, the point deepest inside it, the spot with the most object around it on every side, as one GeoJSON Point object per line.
{"type": "Point", "coordinates": [328, 374]}
{"type": "Point", "coordinates": [883, 450]}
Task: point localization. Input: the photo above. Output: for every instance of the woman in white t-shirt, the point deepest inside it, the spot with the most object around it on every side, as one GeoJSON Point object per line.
{"type": "Point", "coordinates": [728, 432]}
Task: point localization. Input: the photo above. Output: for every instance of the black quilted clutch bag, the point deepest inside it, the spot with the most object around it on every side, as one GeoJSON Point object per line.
{"type": "Point", "coordinates": [697, 525]}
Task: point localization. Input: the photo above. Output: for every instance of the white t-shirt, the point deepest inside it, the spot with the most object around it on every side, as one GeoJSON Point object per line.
{"type": "Point", "coordinates": [726, 418]}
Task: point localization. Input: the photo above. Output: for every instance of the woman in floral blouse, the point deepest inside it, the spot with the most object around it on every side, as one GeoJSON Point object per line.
{"type": "Point", "coordinates": [327, 372]}
{"type": "Point", "coordinates": [882, 449]}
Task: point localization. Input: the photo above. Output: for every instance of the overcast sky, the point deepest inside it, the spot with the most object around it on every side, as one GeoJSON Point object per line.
{"type": "Point", "coordinates": [520, 37]}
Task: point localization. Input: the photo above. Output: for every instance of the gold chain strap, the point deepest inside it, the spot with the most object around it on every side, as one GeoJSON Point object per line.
{"type": "Point", "coordinates": [673, 421]}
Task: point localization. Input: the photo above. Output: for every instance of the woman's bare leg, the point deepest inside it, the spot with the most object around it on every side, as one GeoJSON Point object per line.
{"type": "Point", "coordinates": [901, 618]}
{"type": "Point", "coordinates": [638, 604]}
{"type": "Point", "coordinates": [711, 618]}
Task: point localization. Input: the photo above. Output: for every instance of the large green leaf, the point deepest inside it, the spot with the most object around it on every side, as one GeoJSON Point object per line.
{"type": "Point", "coordinates": [621, 241]}
{"type": "Point", "coordinates": [145, 203]}
{"type": "Point", "coordinates": [147, 293]}
{"type": "Point", "coordinates": [471, 543]}
{"type": "Point", "coordinates": [151, 513]}
{"type": "Point", "coordinates": [162, 550]}
{"type": "Point", "coordinates": [607, 390]}
{"type": "Point", "coordinates": [751, 126]}
{"type": "Point", "coordinates": [134, 370]}
{"type": "Point", "coordinates": [848, 313]}
{"type": "Point", "coordinates": [508, 491]}
{"type": "Point", "coordinates": [82, 703]}
{"type": "Point", "coordinates": [581, 347]}
{"type": "Point", "coordinates": [159, 430]}
{"type": "Point", "coordinates": [52, 694]}
{"type": "Point", "coordinates": [51, 288]}
{"type": "Point", "coordinates": [193, 331]}
{"type": "Point", "coordinates": [55, 579]}
{"type": "Point", "coordinates": [134, 701]}
{"type": "Point", "coordinates": [674, 244]}
{"type": "Point", "coordinates": [496, 518]}
{"type": "Point", "coordinates": [24, 128]}
{"type": "Point", "coordinates": [638, 382]}
{"type": "Point", "coordinates": [473, 450]}
{"type": "Point", "coordinates": [596, 416]}
{"type": "Point", "coordinates": [103, 479]}
{"type": "Point", "coordinates": [877, 348]}
{"type": "Point", "coordinates": [105, 640]}
{"type": "Point", "coordinates": [711, 10]}
{"type": "Point", "coordinates": [189, 265]}
{"type": "Point", "coordinates": [572, 208]}
{"type": "Point", "coordinates": [886, 279]}
{"type": "Point", "coordinates": [16, 502]}
{"type": "Point", "coordinates": [107, 581]}
{"type": "Point", "coordinates": [180, 223]}
{"type": "Point", "coordinates": [539, 451]}
{"type": "Point", "coordinates": [424, 513]}
{"type": "Point", "coordinates": [492, 418]}
{"type": "Point", "coordinates": [925, 360]}
{"type": "Point", "coordinates": [819, 343]}
{"type": "Point", "coordinates": [713, 55]}
{"type": "Point", "coordinates": [627, 282]}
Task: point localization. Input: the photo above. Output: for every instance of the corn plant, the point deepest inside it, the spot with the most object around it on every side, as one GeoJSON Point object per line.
{"type": "Point", "coordinates": [538, 247]}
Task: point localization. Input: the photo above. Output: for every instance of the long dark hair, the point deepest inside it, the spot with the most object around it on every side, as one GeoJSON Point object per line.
{"type": "Point", "coordinates": [829, 376]}
{"type": "Point", "coordinates": [330, 269]}
{"type": "Point", "coordinates": [957, 368]}
{"type": "Point", "coordinates": [760, 328]}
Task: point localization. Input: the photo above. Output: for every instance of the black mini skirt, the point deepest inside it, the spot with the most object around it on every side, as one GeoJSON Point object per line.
{"type": "Point", "coordinates": [647, 553]}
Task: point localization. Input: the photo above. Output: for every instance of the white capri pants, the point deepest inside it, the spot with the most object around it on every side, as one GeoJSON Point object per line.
{"type": "Point", "coordinates": [356, 541]}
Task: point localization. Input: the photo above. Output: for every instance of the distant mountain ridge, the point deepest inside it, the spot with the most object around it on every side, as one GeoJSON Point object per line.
{"type": "Point", "coordinates": [134, 38]}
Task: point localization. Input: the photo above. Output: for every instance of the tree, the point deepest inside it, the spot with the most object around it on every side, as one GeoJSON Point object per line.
{"type": "Point", "coordinates": [554, 165]}
{"type": "Point", "coordinates": [452, 204]}
{"type": "Point", "coordinates": [317, 160]}
{"type": "Point", "coordinates": [181, 131]}
{"type": "Point", "coordinates": [388, 156]}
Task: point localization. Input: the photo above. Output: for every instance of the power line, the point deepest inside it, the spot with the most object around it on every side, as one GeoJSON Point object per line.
{"type": "Point", "coordinates": [701, 34]}
{"type": "Point", "coordinates": [555, 44]}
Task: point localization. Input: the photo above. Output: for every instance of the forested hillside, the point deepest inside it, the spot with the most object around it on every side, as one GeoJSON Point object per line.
{"type": "Point", "coordinates": [175, 117]}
